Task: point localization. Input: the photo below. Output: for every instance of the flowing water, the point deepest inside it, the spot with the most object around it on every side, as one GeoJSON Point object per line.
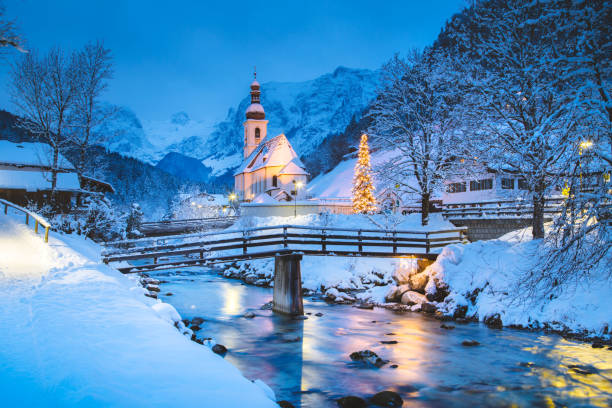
{"type": "Point", "coordinates": [307, 362]}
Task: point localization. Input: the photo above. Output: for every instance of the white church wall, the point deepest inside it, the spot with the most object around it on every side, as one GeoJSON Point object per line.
{"type": "Point", "coordinates": [288, 209]}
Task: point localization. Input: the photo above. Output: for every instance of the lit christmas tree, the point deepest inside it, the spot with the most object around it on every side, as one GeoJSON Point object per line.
{"type": "Point", "coordinates": [363, 188]}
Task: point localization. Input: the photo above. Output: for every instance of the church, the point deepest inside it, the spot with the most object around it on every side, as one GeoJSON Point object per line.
{"type": "Point", "coordinates": [271, 171]}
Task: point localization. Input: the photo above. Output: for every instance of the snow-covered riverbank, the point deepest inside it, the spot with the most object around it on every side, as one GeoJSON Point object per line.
{"type": "Point", "coordinates": [475, 281]}
{"type": "Point", "coordinates": [75, 332]}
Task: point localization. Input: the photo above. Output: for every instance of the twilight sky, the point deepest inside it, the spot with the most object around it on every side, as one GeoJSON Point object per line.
{"type": "Point", "coordinates": [198, 56]}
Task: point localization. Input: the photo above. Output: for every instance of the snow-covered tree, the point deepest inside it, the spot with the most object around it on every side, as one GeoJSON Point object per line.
{"type": "Point", "coordinates": [523, 120]}
{"type": "Point", "coordinates": [414, 116]}
{"type": "Point", "coordinates": [93, 70]}
{"type": "Point", "coordinates": [43, 89]}
{"type": "Point", "coordinates": [363, 187]}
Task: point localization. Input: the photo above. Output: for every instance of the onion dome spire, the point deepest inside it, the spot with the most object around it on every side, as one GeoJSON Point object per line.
{"type": "Point", "coordinates": [255, 110]}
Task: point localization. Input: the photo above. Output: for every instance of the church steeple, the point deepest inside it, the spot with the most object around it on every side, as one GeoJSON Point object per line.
{"type": "Point", "coordinates": [255, 110]}
{"type": "Point", "coordinates": [255, 127]}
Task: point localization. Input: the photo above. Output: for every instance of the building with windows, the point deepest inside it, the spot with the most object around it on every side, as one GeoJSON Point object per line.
{"type": "Point", "coordinates": [479, 184]}
{"type": "Point", "coordinates": [270, 165]}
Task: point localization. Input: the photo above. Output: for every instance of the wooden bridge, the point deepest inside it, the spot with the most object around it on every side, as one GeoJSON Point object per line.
{"type": "Point", "coordinates": [286, 243]}
{"type": "Point", "coordinates": [167, 227]}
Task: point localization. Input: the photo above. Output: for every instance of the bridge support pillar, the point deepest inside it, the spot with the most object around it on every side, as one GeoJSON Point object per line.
{"type": "Point", "coordinates": [287, 297]}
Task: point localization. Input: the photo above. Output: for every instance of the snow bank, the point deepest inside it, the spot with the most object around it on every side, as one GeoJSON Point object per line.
{"type": "Point", "coordinates": [75, 332]}
{"type": "Point", "coordinates": [484, 275]}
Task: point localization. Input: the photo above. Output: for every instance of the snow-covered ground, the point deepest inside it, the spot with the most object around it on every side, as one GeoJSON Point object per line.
{"type": "Point", "coordinates": [74, 332]}
{"type": "Point", "coordinates": [485, 277]}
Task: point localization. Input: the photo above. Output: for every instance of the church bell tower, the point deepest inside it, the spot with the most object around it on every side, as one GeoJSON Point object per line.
{"type": "Point", "coordinates": [256, 125]}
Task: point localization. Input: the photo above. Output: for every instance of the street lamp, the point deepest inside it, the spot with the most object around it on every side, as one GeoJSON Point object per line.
{"type": "Point", "coordinates": [584, 145]}
{"type": "Point", "coordinates": [297, 185]}
{"type": "Point", "coordinates": [232, 197]}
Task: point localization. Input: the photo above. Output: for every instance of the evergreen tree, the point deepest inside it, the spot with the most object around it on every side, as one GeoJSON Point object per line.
{"type": "Point", "coordinates": [363, 188]}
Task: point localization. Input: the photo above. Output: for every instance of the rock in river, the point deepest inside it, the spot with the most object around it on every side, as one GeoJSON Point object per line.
{"type": "Point", "coordinates": [368, 357]}
{"type": "Point", "coordinates": [470, 343]}
{"type": "Point", "coordinates": [197, 321]}
{"type": "Point", "coordinates": [249, 315]}
{"type": "Point", "coordinates": [285, 404]}
{"type": "Point", "coordinates": [351, 402]}
{"type": "Point", "coordinates": [387, 399]}
{"type": "Point", "coordinates": [219, 349]}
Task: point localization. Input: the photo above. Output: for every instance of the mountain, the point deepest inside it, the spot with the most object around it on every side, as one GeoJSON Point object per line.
{"type": "Point", "coordinates": [306, 112]}
{"type": "Point", "coordinates": [184, 167]}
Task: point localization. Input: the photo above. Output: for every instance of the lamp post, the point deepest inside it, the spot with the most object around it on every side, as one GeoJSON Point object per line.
{"type": "Point", "coordinates": [232, 198]}
{"type": "Point", "coordinates": [584, 145]}
{"type": "Point", "coordinates": [297, 185]}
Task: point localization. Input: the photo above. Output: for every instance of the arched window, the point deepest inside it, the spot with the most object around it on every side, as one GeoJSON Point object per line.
{"type": "Point", "coordinates": [274, 181]}
{"type": "Point", "coordinates": [257, 135]}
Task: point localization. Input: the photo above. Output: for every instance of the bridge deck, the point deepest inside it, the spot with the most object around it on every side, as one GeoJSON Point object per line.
{"type": "Point", "coordinates": [229, 246]}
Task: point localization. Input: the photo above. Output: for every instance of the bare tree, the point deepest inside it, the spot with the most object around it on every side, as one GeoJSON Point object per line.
{"type": "Point", "coordinates": [8, 34]}
{"type": "Point", "coordinates": [43, 89]}
{"type": "Point", "coordinates": [93, 70]}
{"type": "Point", "coordinates": [414, 116]}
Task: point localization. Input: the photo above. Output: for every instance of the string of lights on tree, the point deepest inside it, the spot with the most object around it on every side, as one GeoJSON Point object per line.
{"type": "Point", "coordinates": [363, 188]}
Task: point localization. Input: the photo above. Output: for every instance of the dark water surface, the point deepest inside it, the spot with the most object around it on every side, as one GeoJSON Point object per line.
{"type": "Point", "coordinates": [509, 368]}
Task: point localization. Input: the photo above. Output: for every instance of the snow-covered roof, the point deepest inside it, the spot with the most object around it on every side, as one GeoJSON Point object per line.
{"type": "Point", "coordinates": [293, 169]}
{"type": "Point", "coordinates": [30, 154]}
{"type": "Point", "coordinates": [37, 180]}
{"type": "Point", "coordinates": [264, 198]}
{"type": "Point", "coordinates": [255, 107]}
{"type": "Point", "coordinates": [275, 151]}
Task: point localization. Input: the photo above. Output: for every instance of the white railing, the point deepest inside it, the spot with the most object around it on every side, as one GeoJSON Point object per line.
{"type": "Point", "coordinates": [38, 220]}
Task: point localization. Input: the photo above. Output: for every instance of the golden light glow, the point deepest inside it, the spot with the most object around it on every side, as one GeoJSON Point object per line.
{"type": "Point", "coordinates": [363, 187]}
{"type": "Point", "coordinates": [586, 144]}
{"type": "Point", "coordinates": [232, 197]}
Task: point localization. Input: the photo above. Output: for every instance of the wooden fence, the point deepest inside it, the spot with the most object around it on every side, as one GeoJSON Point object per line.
{"type": "Point", "coordinates": [499, 209]}
{"type": "Point", "coordinates": [38, 220]}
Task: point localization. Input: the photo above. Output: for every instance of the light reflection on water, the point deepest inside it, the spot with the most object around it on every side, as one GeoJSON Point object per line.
{"type": "Point", "coordinates": [510, 368]}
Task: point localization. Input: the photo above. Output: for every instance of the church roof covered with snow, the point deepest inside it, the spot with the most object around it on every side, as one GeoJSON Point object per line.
{"type": "Point", "coordinates": [275, 151]}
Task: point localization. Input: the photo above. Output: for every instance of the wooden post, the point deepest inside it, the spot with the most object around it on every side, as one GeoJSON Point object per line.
{"type": "Point", "coordinates": [36, 226]}
{"type": "Point", "coordinates": [244, 242]}
{"type": "Point", "coordinates": [360, 247]}
{"type": "Point", "coordinates": [5, 209]}
{"type": "Point", "coordinates": [394, 243]}
{"type": "Point", "coordinates": [285, 237]}
{"type": "Point", "coordinates": [27, 219]}
{"type": "Point", "coordinates": [46, 234]}
{"type": "Point", "coordinates": [323, 246]}
{"type": "Point", "coordinates": [287, 297]}
{"type": "Point", "coordinates": [427, 242]}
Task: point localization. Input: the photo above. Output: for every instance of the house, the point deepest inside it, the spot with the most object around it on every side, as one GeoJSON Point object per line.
{"type": "Point", "coordinates": [25, 177]}
{"type": "Point", "coordinates": [270, 165]}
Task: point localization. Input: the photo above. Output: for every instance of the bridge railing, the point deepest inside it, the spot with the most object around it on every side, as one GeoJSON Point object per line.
{"type": "Point", "coordinates": [499, 209]}
{"type": "Point", "coordinates": [265, 241]}
{"type": "Point", "coordinates": [38, 220]}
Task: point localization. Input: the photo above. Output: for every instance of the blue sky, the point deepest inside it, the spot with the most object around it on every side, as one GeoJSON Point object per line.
{"type": "Point", "coordinates": [198, 56]}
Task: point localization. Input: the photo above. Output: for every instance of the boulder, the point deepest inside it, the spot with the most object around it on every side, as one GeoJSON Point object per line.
{"type": "Point", "coordinates": [428, 308]}
{"type": "Point", "coordinates": [197, 321]}
{"type": "Point", "coordinates": [351, 402]}
{"type": "Point", "coordinates": [219, 349]}
{"type": "Point", "coordinates": [392, 294]}
{"type": "Point", "coordinates": [152, 288]}
{"type": "Point", "coordinates": [387, 399]}
{"type": "Point", "coordinates": [285, 404]}
{"type": "Point", "coordinates": [470, 343]}
{"type": "Point", "coordinates": [418, 281]}
{"type": "Point", "coordinates": [493, 321]}
{"type": "Point", "coordinates": [195, 328]}
{"type": "Point", "coordinates": [249, 315]}
{"type": "Point", "coordinates": [368, 357]}
{"type": "Point", "coordinates": [413, 298]}
{"type": "Point", "coordinates": [460, 312]}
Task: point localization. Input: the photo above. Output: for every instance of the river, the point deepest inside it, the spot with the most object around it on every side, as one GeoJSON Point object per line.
{"type": "Point", "coordinates": [307, 362]}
